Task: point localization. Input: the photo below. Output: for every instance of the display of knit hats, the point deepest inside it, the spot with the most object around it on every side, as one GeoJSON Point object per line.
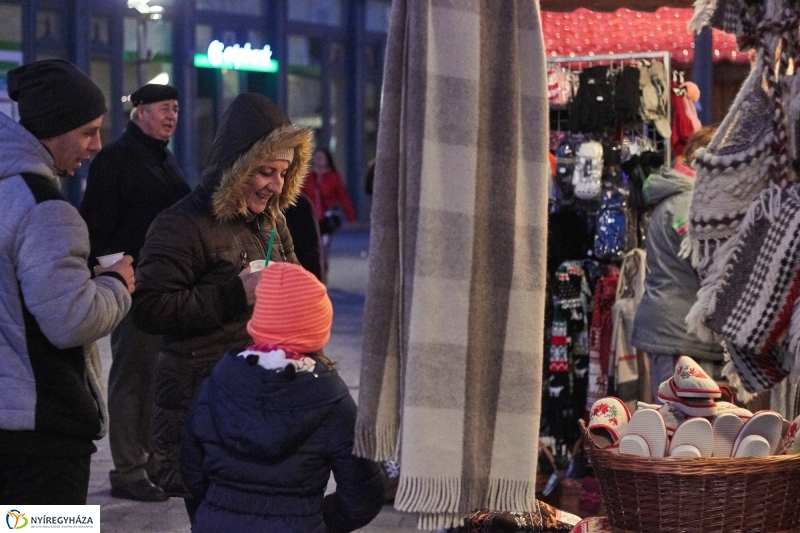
{"type": "Point", "coordinates": [655, 95]}
{"type": "Point", "coordinates": [559, 88]}
{"type": "Point", "coordinates": [565, 167]}
{"type": "Point", "coordinates": [588, 174]}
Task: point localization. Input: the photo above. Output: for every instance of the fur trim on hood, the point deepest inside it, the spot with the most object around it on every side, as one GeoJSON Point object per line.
{"type": "Point", "coordinates": [229, 200]}
{"type": "Point", "coordinates": [252, 128]}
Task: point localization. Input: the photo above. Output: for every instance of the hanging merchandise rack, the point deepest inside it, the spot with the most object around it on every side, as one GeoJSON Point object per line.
{"type": "Point", "coordinates": [577, 63]}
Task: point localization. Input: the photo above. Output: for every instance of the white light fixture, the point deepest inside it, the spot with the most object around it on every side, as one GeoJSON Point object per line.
{"type": "Point", "coordinates": [161, 79]}
{"type": "Point", "coordinates": [144, 7]}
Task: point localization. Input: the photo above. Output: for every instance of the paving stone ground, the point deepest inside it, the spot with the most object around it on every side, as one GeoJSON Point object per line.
{"type": "Point", "coordinates": [346, 284]}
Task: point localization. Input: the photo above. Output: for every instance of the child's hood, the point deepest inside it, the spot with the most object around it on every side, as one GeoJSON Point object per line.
{"type": "Point", "coordinates": [258, 411]}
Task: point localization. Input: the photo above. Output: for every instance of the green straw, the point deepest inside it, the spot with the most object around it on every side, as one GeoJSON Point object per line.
{"type": "Point", "coordinates": [271, 240]}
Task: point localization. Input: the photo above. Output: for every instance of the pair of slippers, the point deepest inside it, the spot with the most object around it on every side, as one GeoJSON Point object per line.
{"type": "Point", "coordinates": [690, 389]}
{"type": "Point", "coordinates": [728, 436]}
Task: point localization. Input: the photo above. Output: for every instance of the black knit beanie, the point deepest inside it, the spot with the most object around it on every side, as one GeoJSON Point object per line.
{"type": "Point", "coordinates": [54, 97]}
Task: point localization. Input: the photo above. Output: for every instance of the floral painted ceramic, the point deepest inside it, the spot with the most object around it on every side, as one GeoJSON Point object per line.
{"type": "Point", "coordinates": [691, 381]}
{"type": "Point", "coordinates": [608, 421]}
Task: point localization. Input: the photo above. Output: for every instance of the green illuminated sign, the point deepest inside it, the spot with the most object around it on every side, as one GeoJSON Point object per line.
{"type": "Point", "coordinates": [237, 58]}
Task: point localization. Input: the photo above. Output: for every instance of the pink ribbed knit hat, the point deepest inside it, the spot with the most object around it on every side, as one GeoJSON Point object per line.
{"type": "Point", "coordinates": [292, 309]}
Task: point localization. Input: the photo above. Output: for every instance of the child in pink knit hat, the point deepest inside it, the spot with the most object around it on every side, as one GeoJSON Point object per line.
{"type": "Point", "coordinates": [273, 421]}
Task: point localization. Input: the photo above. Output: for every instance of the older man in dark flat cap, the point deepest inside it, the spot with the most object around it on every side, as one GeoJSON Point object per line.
{"type": "Point", "coordinates": [52, 310]}
{"type": "Point", "coordinates": [131, 181]}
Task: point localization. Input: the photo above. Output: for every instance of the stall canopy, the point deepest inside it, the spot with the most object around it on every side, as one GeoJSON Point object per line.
{"type": "Point", "coordinates": [583, 32]}
{"type": "Point", "coordinates": [611, 5]}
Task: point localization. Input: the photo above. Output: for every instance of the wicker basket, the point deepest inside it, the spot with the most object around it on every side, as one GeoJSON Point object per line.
{"type": "Point", "coordinates": [708, 495]}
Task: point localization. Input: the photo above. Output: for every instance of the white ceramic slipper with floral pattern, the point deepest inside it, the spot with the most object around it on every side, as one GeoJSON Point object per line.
{"type": "Point", "coordinates": [791, 441]}
{"type": "Point", "coordinates": [691, 381]}
{"type": "Point", "coordinates": [673, 417]}
{"type": "Point", "coordinates": [608, 421]}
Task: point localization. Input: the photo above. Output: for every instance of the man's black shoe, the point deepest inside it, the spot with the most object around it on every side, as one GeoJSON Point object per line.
{"type": "Point", "coordinates": [142, 490]}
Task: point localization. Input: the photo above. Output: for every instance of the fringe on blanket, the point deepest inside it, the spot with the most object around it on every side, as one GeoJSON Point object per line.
{"type": "Point", "coordinates": [376, 442]}
{"type": "Point", "coordinates": [723, 260]}
{"type": "Point", "coordinates": [729, 373]}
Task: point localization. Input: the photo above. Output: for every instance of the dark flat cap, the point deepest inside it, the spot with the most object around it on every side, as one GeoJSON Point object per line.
{"type": "Point", "coordinates": [54, 97]}
{"type": "Point", "coordinates": [152, 93]}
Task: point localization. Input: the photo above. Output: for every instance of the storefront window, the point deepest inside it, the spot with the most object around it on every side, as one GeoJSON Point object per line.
{"type": "Point", "coordinates": [10, 27]}
{"type": "Point", "coordinates": [202, 36]}
{"type": "Point", "coordinates": [377, 15]}
{"type": "Point", "coordinates": [231, 86]}
{"type": "Point", "coordinates": [100, 72]}
{"type": "Point", "coordinates": [245, 7]}
{"type": "Point", "coordinates": [304, 81]}
{"type": "Point", "coordinates": [327, 12]}
{"type": "Point", "coordinates": [98, 28]}
{"type": "Point", "coordinates": [48, 25]}
{"type": "Point", "coordinates": [10, 52]}
{"type": "Point", "coordinates": [148, 52]}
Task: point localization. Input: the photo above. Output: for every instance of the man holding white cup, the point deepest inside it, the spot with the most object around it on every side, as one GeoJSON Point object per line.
{"type": "Point", "coordinates": [52, 310]}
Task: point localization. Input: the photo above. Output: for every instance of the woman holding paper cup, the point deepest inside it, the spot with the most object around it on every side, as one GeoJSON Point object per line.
{"type": "Point", "coordinates": [194, 282]}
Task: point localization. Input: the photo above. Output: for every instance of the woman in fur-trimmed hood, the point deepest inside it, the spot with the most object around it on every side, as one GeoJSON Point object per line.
{"type": "Point", "coordinates": [194, 285]}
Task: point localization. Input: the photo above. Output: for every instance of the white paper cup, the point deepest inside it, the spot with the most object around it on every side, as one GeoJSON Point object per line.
{"type": "Point", "coordinates": [110, 259]}
{"type": "Point", "coordinates": [257, 265]}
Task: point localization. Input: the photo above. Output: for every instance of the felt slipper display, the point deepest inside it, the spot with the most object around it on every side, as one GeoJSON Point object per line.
{"type": "Point", "coordinates": [685, 450]}
{"type": "Point", "coordinates": [752, 446]}
{"type": "Point", "coordinates": [791, 444]}
{"type": "Point", "coordinates": [608, 421]}
{"type": "Point", "coordinates": [765, 424]}
{"type": "Point", "coordinates": [727, 407]}
{"type": "Point", "coordinates": [673, 417]}
{"type": "Point", "coordinates": [696, 432]}
{"type": "Point", "coordinates": [649, 425]}
{"type": "Point", "coordinates": [635, 445]}
{"type": "Point", "coordinates": [720, 429]}
{"type": "Point", "coordinates": [726, 428]}
{"type": "Point", "coordinates": [691, 381]}
{"type": "Point", "coordinates": [696, 406]}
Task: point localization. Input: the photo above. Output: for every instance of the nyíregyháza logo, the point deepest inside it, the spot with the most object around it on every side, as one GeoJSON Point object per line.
{"type": "Point", "coordinates": [15, 519]}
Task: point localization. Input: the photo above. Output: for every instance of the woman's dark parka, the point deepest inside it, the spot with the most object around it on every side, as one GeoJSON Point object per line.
{"type": "Point", "coordinates": [260, 448]}
{"type": "Point", "coordinates": [187, 284]}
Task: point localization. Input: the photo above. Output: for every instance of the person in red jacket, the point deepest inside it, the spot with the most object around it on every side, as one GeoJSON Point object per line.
{"type": "Point", "coordinates": [324, 187]}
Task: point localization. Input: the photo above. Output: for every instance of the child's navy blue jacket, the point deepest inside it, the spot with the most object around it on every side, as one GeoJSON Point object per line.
{"type": "Point", "coordinates": [259, 450]}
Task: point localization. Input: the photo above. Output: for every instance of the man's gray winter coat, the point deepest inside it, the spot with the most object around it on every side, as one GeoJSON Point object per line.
{"type": "Point", "coordinates": [51, 310]}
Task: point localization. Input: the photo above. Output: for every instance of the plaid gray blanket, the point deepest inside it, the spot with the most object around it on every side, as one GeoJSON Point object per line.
{"type": "Point", "coordinates": [453, 327]}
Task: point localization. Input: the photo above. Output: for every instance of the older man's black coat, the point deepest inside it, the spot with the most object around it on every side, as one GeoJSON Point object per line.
{"type": "Point", "coordinates": [130, 181]}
